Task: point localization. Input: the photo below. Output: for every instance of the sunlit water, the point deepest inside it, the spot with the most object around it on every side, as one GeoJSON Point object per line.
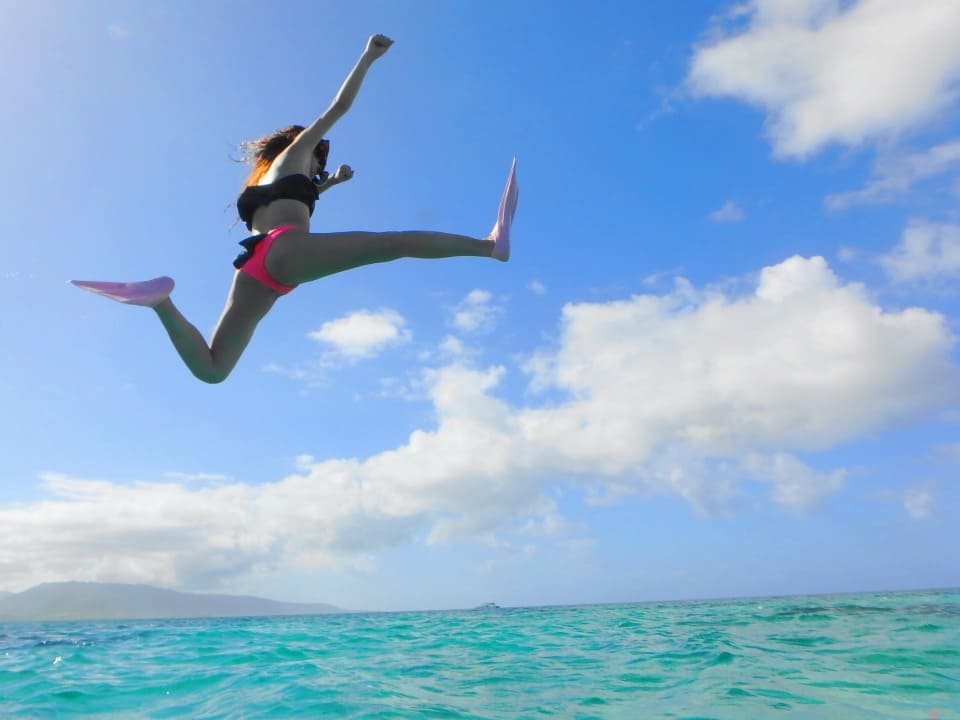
{"type": "Point", "coordinates": [885, 655]}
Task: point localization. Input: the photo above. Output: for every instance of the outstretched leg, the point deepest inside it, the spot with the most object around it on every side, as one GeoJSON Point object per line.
{"type": "Point", "coordinates": [298, 257]}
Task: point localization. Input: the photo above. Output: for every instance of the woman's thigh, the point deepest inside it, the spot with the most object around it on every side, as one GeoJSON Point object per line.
{"type": "Point", "coordinates": [298, 257]}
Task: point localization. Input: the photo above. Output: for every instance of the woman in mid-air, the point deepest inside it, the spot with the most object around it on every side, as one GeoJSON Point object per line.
{"type": "Point", "coordinates": [276, 204]}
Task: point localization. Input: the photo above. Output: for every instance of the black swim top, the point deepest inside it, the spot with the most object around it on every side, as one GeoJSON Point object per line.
{"type": "Point", "coordinates": [289, 187]}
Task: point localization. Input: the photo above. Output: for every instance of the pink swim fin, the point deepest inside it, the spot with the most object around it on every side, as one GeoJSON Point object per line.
{"type": "Point", "coordinates": [508, 207]}
{"type": "Point", "coordinates": [148, 293]}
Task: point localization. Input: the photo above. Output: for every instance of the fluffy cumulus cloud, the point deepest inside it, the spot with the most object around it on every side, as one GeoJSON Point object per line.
{"type": "Point", "coordinates": [926, 252]}
{"type": "Point", "coordinates": [834, 71]}
{"type": "Point", "coordinates": [363, 334]}
{"type": "Point", "coordinates": [803, 363]}
{"type": "Point", "coordinates": [696, 393]}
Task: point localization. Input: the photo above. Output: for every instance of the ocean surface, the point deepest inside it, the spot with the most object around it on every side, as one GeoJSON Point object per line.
{"type": "Point", "coordinates": [879, 655]}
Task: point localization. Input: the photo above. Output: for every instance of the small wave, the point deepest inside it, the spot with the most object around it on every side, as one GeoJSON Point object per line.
{"type": "Point", "coordinates": [729, 659]}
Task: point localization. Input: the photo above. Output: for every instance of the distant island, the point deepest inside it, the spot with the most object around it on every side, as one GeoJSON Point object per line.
{"type": "Point", "coordinates": [116, 601]}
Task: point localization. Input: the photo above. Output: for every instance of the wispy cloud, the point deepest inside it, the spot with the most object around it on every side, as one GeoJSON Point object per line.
{"type": "Point", "coordinates": [690, 393]}
{"type": "Point", "coordinates": [477, 312]}
{"type": "Point", "coordinates": [453, 347]}
{"type": "Point", "coordinates": [919, 502]}
{"type": "Point", "coordinates": [537, 287]}
{"type": "Point", "coordinates": [197, 477]}
{"type": "Point", "coordinates": [949, 451]}
{"type": "Point", "coordinates": [926, 252]}
{"type": "Point", "coordinates": [893, 177]}
{"type": "Point", "coordinates": [119, 31]}
{"type": "Point", "coordinates": [298, 373]}
{"type": "Point", "coordinates": [847, 254]}
{"type": "Point", "coordinates": [796, 485]}
{"type": "Point", "coordinates": [730, 212]}
{"type": "Point", "coordinates": [834, 71]}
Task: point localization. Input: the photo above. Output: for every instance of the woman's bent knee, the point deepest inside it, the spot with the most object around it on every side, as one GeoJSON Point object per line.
{"type": "Point", "coordinates": [211, 376]}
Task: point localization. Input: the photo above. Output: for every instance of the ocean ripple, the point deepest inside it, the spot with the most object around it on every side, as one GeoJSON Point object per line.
{"type": "Point", "coordinates": [889, 655]}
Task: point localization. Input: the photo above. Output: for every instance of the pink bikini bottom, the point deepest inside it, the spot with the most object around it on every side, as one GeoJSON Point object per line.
{"type": "Point", "coordinates": [253, 260]}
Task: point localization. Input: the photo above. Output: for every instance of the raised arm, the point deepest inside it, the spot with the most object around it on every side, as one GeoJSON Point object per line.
{"type": "Point", "coordinates": [301, 149]}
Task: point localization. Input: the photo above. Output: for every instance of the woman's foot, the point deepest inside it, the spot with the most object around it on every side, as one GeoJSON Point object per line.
{"type": "Point", "coordinates": [148, 293]}
{"type": "Point", "coordinates": [508, 206]}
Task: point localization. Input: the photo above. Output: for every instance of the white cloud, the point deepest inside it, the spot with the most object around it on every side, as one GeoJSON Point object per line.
{"type": "Point", "coordinates": [197, 477]}
{"type": "Point", "coordinates": [394, 387]}
{"type": "Point", "coordinates": [796, 485]}
{"type": "Point", "coordinates": [708, 485]}
{"type": "Point", "coordinates": [895, 176]}
{"type": "Point", "coordinates": [476, 312]}
{"type": "Point", "coordinates": [292, 373]}
{"type": "Point", "coordinates": [829, 71]}
{"type": "Point", "coordinates": [847, 254]}
{"type": "Point", "coordinates": [363, 334]}
{"type": "Point", "coordinates": [926, 251]}
{"type": "Point", "coordinates": [804, 362]}
{"type": "Point", "coordinates": [508, 555]}
{"type": "Point", "coordinates": [730, 212]}
{"type": "Point", "coordinates": [453, 347]}
{"type": "Point", "coordinates": [537, 287]}
{"type": "Point", "coordinates": [688, 394]}
{"type": "Point", "coordinates": [919, 502]}
{"type": "Point", "coordinates": [949, 451]}
{"type": "Point", "coordinates": [118, 31]}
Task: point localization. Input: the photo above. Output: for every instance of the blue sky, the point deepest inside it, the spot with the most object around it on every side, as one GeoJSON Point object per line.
{"type": "Point", "coordinates": [722, 360]}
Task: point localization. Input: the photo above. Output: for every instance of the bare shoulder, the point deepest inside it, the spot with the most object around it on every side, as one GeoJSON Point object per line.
{"type": "Point", "coordinates": [290, 162]}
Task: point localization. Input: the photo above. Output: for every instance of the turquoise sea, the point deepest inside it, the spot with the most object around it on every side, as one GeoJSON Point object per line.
{"type": "Point", "coordinates": [878, 655]}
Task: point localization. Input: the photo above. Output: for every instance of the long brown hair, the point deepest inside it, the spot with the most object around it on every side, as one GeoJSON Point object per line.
{"type": "Point", "coordinates": [262, 152]}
